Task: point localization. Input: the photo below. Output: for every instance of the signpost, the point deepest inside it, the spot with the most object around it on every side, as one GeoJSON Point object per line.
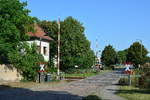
{"type": "Point", "coordinates": [128, 71]}
{"type": "Point", "coordinates": [41, 74]}
{"type": "Point", "coordinates": [129, 74]}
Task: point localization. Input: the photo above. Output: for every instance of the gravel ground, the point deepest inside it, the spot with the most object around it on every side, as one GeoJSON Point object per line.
{"type": "Point", "coordinates": [103, 85]}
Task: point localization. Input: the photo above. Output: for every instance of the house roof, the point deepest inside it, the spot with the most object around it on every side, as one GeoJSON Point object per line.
{"type": "Point", "coordinates": [39, 33]}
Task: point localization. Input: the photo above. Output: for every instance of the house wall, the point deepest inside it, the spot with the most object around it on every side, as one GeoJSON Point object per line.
{"type": "Point", "coordinates": [43, 44]}
{"type": "Point", "coordinates": [9, 73]}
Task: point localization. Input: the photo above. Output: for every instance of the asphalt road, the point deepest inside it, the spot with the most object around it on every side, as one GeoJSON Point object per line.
{"type": "Point", "coordinates": [103, 85]}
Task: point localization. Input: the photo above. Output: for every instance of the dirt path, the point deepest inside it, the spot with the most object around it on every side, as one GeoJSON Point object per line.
{"type": "Point", "coordinates": [100, 85]}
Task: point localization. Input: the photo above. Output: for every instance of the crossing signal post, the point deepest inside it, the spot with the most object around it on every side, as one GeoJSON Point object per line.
{"type": "Point", "coordinates": [58, 49]}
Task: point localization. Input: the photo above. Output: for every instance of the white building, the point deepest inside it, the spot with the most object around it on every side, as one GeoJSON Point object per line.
{"type": "Point", "coordinates": [42, 41]}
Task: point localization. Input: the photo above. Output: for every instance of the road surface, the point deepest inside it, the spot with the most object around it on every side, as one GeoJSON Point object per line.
{"type": "Point", "coordinates": [103, 85]}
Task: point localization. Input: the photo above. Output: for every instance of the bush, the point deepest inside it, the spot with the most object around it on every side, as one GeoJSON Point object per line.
{"type": "Point", "coordinates": [144, 80]}
{"type": "Point", "coordinates": [123, 81]}
{"type": "Point", "coordinates": [148, 82]}
{"type": "Point", "coordinates": [51, 69]}
{"type": "Point", "coordinates": [107, 68]}
{"type": "Point", "coordinates": [25, 59]}
{"type": "Point", "coordinates": [135, 81]}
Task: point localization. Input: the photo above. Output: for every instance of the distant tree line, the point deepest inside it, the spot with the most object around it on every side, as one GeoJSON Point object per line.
{"type": "Point", "coordinates": [136, 53]}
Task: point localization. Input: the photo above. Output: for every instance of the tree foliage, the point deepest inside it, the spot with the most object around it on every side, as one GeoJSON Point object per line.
{"type": "Point", "coordinates": [121, 56]}
{"type": "Point", "coordinates": [137, 53]}
{"type": "Point", "coordinates": [25, 59]}
{"type": "Point", "coordinates": [14, 23]}
{"type": "Point", "coordinates": [51, 29]}
{"type": "Point", "coordinates": [148, 59]}
{"type": "Point", "coordinates": [75, 48]}
{"type": "Point", "coordinates": [109, 55]}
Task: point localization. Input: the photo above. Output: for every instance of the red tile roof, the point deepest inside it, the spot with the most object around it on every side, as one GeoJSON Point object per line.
{"type": "Point", "coordinates": [39, 33]}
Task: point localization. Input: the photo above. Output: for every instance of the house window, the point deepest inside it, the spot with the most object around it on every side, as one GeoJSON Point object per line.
{"type": "Point", "coordinates": [45, 50]}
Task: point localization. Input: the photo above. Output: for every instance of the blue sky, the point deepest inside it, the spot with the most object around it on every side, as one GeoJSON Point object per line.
{"type": "Point", "coordinates": [115, 22]}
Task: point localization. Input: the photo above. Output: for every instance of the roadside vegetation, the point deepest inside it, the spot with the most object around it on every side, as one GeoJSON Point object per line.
{"type": "Point", "coordinates": [84, 73]}
{"type": "Point", "coordinates": [140, 82]}
{"type": "Point", "coordinates": [134, 93]}
{"type": "Point", "coordinates": [140, 86]}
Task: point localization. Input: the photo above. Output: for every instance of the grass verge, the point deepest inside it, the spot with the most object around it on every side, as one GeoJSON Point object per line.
{"type": "Point", "coordinates": [87, 74]}
{"type": "Point", "coordinates": [133, 93]}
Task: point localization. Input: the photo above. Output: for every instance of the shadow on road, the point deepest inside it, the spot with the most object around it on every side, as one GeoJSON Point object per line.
{"type": "Point", "coordinates": [12, 93]}
{"type": "Point", "coordinates": [92, 97]}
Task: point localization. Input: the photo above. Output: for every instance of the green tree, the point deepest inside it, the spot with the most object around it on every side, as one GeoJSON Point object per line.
{"type": "Point", "coordinates": [148, 59]}
{"type": "Point", "coordinates": [109, 55]}
{"type": "Point", "coordinates": [75, 48]}
{"type": "Point", "coordinates": [137, 53]}
{"type": "Point", "coordinates": [25, 59]}
{"type": "Point", "coordinates": [14, 23]}
{"type": "Point", "coordinates": [51, 29]}
{"type": "Point", "coordinates": [121, 56]}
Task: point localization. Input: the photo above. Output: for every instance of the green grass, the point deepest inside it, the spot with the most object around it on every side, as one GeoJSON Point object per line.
{"type": "Point", "coordinates": [133, 93]}
{"type": "Point", "coordinates": [87, 74]}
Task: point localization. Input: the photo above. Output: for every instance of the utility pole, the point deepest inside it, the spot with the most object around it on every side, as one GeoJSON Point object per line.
{"type": "Point", "coordinates": [97, 52]}
{"type": "Point", "coordinates": [58, 49]}
{"type": "Point", "coordinates": [96, 47]}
